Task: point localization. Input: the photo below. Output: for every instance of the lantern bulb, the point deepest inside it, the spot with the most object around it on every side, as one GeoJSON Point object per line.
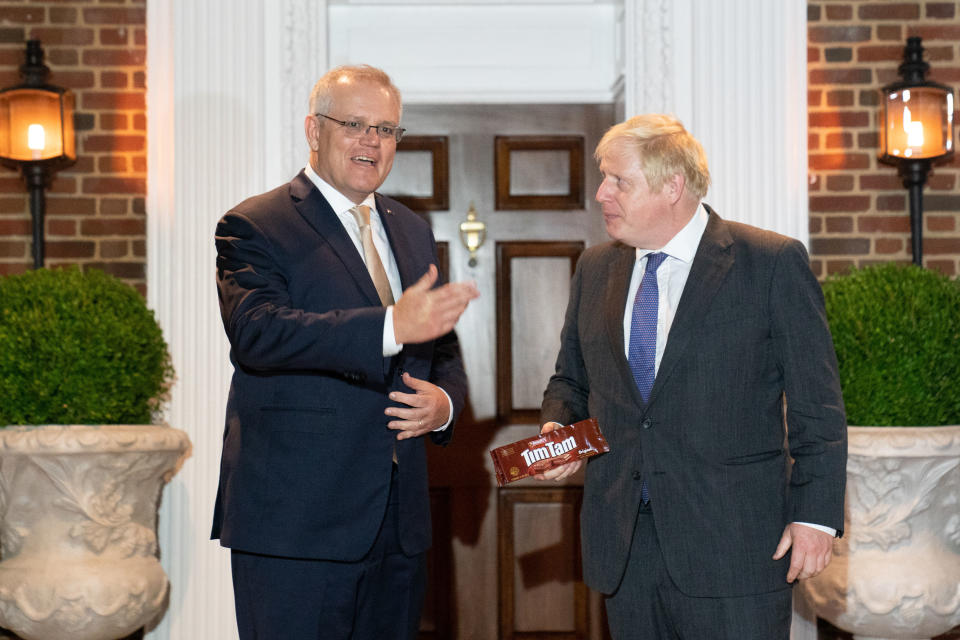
{"type": "Point", "coordinates": [36, 140]}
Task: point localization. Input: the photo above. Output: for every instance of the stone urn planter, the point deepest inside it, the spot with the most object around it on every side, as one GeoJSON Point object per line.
{"type": "Point", "coordinates": [896, 571]}
{"type": "Point", "coordinates": [79, 513]}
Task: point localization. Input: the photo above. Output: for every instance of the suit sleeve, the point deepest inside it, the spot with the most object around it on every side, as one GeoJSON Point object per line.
{"type": "Point", "coordinates": [267, 332]}
{"type": "Point", "coordinates": [816, 421]}
{"type": "Point", "coordinates": [565, 398]}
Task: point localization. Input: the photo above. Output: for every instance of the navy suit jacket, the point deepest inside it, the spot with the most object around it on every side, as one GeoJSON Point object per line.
{"type": "Point", "coordinates": [726, 471]}
{"type": "Point", "coordinates": [307, 458]}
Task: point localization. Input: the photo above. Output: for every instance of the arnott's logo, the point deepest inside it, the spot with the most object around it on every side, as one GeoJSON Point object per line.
{"type": "Point", "coordinates": [549, 450]}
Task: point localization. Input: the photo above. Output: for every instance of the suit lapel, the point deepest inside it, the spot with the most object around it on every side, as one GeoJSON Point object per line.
{"type": "Point", "coordinates": [317, 212]}
{"type": "Point", "coordinates": [710, 267]}
{"type": "Point", "coordinates": [403, 252]}
{"type": "Point", "coordinates": [617, 288]}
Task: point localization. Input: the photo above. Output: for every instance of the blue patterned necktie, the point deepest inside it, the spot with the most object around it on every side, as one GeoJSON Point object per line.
{"type": "Point", "coordinates": [643, 335]}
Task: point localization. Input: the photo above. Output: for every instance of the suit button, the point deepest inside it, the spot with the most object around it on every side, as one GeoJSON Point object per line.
{"type": "Point", "coordinates": [637, 475]}
{"type": "Point", "coordinates": [647, 423]}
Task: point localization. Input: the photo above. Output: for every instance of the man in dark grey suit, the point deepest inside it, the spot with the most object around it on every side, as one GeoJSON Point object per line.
{"type": "Point", "coordinates": [702, 347]}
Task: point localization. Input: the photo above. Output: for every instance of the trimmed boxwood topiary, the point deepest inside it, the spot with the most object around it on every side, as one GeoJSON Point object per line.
{"type": "Point", "coordinates": [78, 348]}
{"type": "Point", "coordinates": [896, 329]}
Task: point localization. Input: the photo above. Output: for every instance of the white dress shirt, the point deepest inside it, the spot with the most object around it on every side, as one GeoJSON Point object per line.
{"type": "Point", "coordinates": [671, 279]}
{"type": "Point", "coordinates": [341, 206]}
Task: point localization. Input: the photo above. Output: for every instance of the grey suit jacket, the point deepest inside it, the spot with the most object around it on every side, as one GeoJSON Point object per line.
{"type": "Point", "coordinates": [749, 346]}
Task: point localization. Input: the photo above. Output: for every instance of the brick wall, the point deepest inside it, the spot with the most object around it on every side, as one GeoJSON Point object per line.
{"type": "Point", "coordinates": [95, 208]}
{"type": "Point", "coordinates": [859, 211]}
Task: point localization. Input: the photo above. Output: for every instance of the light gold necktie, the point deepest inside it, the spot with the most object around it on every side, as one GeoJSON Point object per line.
{"type": "Point", "coordinates": [361, 213]}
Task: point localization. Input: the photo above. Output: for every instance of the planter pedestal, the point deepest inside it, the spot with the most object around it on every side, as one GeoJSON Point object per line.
{"type": "Point", "coordinates": [896, 572]}
{"type": "Point", "coordinates": [79, 513]}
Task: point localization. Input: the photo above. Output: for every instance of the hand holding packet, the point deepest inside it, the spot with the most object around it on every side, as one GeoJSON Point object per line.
{"type": "Point", "coordinates": [530, 456]}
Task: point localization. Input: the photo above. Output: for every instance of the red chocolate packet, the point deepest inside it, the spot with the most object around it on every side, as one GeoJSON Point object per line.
{"type": "Point", "coordinates": [537, 454]}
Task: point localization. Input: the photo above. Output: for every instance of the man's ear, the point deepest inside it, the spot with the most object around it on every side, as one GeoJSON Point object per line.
{"type": "Point", "coordinates": [312, 130]}
{"type": "Point", "coordinates": [674, 187]}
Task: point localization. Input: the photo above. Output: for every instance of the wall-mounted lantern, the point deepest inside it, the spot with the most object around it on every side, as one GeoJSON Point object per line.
{"type": "Point", "coordinates": [36, 134]}
{"type": "Point", "coordinates": [916, 129]}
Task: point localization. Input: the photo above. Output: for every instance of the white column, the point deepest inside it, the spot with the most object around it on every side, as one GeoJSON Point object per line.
{"type": "Point", "coordinates": [735, 73]}
{"type": "Point", "coordinates": [228, 85]}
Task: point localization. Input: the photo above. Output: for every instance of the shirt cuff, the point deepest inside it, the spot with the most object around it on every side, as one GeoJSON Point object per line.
{"type": "Point", "coordinates": [450, 419]}
{"type": "Point", "coordinates": [819, 527]}
{"type": "Point", "coordinates": [390, 346]}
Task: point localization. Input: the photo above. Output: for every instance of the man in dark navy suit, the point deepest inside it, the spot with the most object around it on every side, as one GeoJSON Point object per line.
{"type": "Point", "coordinates": [345, 360]}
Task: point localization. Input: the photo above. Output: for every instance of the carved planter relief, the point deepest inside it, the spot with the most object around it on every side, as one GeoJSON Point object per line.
{"type": "Point", "coordinates": [79, 513]}
{"type": "Point", "coordinates": [896, 572]}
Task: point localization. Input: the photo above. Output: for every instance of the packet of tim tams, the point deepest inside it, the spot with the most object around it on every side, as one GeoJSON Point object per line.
{"type": "Point", "coordinates": [534, 455]}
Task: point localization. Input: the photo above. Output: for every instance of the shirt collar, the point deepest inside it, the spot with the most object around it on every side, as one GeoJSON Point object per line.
{"type": "Point", "coordinates": [337, 201]}
{"type": "Point", "coordinates": [683, 246]}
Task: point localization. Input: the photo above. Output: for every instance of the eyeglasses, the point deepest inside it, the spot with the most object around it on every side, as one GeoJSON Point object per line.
{"type": "Point", "coordinates": [356, 128]}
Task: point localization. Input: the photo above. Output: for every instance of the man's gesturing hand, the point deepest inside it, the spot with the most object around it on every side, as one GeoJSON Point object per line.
{"type": "Point", "coordinates": [423, 314]}
{"type": "Point", "coordinates": [812, 550]}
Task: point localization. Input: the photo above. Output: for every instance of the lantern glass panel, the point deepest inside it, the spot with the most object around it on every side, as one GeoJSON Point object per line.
{"type": "Point", "coordinates": [34, 123]}
{"type": "Point", "coordinates": [916, 122]}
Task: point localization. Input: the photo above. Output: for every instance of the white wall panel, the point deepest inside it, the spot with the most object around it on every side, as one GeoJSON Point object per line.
{"type": "Point", "coordinates": [735, 73]}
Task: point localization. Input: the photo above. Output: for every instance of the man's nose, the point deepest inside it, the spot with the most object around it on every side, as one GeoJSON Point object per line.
{"type": "Point", "coordinates": [370, 135]}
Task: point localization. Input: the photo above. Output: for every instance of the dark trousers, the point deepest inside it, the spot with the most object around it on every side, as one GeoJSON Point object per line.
{"type": "Point", "coordinates": [376, 598]}
{"type": "Point", "coordinates": [648, 606]}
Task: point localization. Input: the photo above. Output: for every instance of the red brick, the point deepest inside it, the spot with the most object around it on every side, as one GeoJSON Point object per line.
{"type": "Point", "coordinates": [940, 10]}
{"type": "Point", "coordinates": [814, 97]}
{"type": "Point", "coordinates": [140, 80]}
{"type": "Point", "coordinates": [14, 248]}
{"type": "Point", "coordinates": [13, 268]}
{"type": "Point", "coordinates": [939, 202]}
{"type": "Point", "coordinates": [930, 33]}
{"type": "Point", "coordinates": [940, 223]}
{"type": "Point", "coordinates": [113, 121]}
{"type": "Point", "coordinates": [23, 15]}
{"type": "Point", "coordinates": [813, 141]}
{"type": "Point", "coordinates": [114, 80]}
{"type": "Point", "coordinates": [839, 224]}
{"type": "Point", "coordinates": [58, 57]}
{"type": "Point", "coordinates": [12, 183]}
{"type": "Point", "coordinates": [112, 164]}
{"type": "Point", "coordinates": [841, 76]}
{"type": "Point", "coordinates": [112, 227]}
{"type": "Point", "coordinates": [114, 16]}
{"type": "Point", "coordinates": [15, 227]}
{"type": "Point", "coordinates": [839, 203]}
{"type": "Point", "coordinates": [62, 184]}
{"type": "Point", "coordinates": [843, 140]}
{"type": "Point", "coordinates": [13, 205]}
{"type": "Point", "coordinates": [63, 15]}
{"type": "Point", "coordinates": [941, 245]}
{"type": "Point", "coordinates": [140, 37]}
{"type": "Point", "coordinates": [839, 266]}
{"type": "Point", "coordinates": [140, 248]}
{"type": "Point", "coordinates": [868, 140]}
{"type": "Point", "coordinates": [76, 80]}
{"type": "Point", "coordinates": [69, 249]}
{"type": "Point", "coordinates": [139, 205]}
{"type": "Point", "coordinates": [124, 270]}
{"type": "Point", "coordinates": [71, 206]}
{"type": "Point", "coordinates": [840, 98]}
{"type": "Point", "coordinates": [839, 12]}
{"type": "Point", "coordinates": [890, 32]}
{"type": "Point", "coordinates": [889, 11]}
{"type": "Point", "coordinates": [888, 245]}
{"type": "Point", "coordinates": [840, 183]}
{"type": "Point", "coordinates": [72, 35]}
{"type": "Point", "coordinates": [885, 224]}
{"type": "Point", "coordinates": [114, 36]}
{"type": "Point", "coordinates": [946, 267]}
{"type": "Point", "coordinates": [114, 100]}
{"type": "Point", "coordinates": [939, 181]}
{"type": "Point", "coordinates": [813, 54]}
{"type": "Point", "coordinates": [113, 206]}
{"type": "Point", "coordinates": [892, 203]}
{"type": "Point", "coordinates": [829, 161]}
{"type": "Point", "coordinates": [886, 182]}
{"type": "Point", "coordinates": [115, 143]}
{"type": "Point", "coordinates": [816, 224]}
{"type": "Point", "coordinates": [139, 164]}
{"type": "Point", "coordinates": [140, 122]}
{"type": "Point", "coordinates": [938, 54]}
{"type": "Point", "coordinates": [57, 227]}
{"type": "Point", "coordinates": [838, 34]}
{"type": "Point", "coordinates": [114, 185]}
{"type": "Point", "coordinates": [114, 249]}
{"type": "Point", "coordinates": [839, 119]}
{"type": "Point", "coordinates": [114, 57]}
{"type": "Point", "coordinates": [889, 53]}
